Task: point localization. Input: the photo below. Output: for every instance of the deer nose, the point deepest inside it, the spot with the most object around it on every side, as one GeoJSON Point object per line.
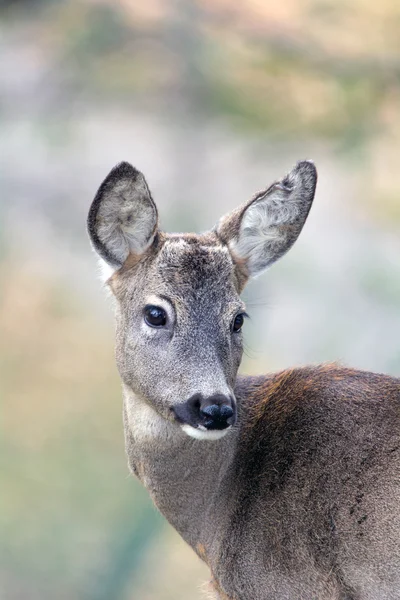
{"type": "Point", "coordinates": [213, 412]}
{"type": "Point", "coordinates": [217, 412]}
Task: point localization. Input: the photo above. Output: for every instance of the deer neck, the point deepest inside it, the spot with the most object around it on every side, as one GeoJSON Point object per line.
{"type": "Point", "coordinates": [182, 475]}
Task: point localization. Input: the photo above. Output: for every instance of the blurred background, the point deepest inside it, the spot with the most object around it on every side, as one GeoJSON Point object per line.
{"type": "Point", "coordinates": [212, 100]}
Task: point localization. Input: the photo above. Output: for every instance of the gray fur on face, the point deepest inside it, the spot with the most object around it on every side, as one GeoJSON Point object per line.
{"type": "Point", "coordinates": [191, 278]}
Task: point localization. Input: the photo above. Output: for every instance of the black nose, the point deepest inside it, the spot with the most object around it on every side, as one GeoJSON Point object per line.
{"type": "Point", "coordinates": [214, 412]}
{"type": "Point", "coordinates": [216, 416]}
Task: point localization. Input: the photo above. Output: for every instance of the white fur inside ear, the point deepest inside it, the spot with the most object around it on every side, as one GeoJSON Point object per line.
{"type": "Point", "coordinates": [201, 433]}
{"type": "Point", "coordinates": [268, 226]}
{"type": "Point", "coordinates": [123, 216]}
{"type": "Point", "coordinates": [262, 228]}
{"type": "Point", "coordinates": [127, 219]}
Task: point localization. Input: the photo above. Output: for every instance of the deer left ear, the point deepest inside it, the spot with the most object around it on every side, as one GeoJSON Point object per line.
{"type": "Point", "coordinates": [264, 229]}
{"type": "Point", "coordinates": [123, 217]}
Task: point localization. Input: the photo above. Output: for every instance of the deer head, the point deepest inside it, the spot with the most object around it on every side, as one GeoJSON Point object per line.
{"type": "Point", "coordinates": [178, 306]}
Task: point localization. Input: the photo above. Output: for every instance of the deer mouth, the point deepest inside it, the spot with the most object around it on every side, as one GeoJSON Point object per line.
{"type": "Point", "coordinates": [202, 433]}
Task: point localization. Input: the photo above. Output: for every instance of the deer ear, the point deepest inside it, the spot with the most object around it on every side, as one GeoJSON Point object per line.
{"type": "Point", "coordinates": [123, 217]}
{"type": "Point", "coordinates": [259, 232]}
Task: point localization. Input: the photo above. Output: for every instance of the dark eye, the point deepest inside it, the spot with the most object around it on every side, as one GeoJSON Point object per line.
{"type": "Point", "coordinates": [155, 316]}
{"type": "Point", "coordinates": [237, 323]}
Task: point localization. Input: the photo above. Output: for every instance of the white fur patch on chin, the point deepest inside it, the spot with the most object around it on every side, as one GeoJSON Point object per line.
{"type": "Point", "coordinates": [203, 433]}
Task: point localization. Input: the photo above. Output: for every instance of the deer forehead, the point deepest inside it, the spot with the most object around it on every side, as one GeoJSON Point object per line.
{"type": "Point", "coordinates": [186, 269]}
{"type": "Point", "coordinates": [192, 262]}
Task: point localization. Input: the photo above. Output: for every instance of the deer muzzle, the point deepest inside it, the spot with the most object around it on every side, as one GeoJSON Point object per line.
{"type": "Point", "coordinates": [215, 412]}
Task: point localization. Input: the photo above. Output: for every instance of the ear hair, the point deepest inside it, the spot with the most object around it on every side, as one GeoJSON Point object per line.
{"type": "Point", "coordinates": [259, 232]}
{"type": "Point", "coordinates": [123, 217]}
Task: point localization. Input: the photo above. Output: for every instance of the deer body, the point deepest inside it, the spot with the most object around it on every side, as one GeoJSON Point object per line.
{"type": "Point", "coordinates": [286, 485]}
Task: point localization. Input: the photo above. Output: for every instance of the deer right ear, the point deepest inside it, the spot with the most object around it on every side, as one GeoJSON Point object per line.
{"type": "Point", "coordinates": [123, 217]}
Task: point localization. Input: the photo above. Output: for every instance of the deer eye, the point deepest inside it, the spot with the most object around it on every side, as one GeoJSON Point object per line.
{"type": "Point", "coordinates": [155, 316]}
{"type": "Point", "coordinates": [238, 323]}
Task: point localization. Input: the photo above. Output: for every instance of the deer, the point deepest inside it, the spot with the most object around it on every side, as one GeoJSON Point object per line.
{"type": "Point", "coordinates": [287, 485]}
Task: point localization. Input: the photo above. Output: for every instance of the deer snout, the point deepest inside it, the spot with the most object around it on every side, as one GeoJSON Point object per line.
{"type": "Point", "coordinates": [215, 412]}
